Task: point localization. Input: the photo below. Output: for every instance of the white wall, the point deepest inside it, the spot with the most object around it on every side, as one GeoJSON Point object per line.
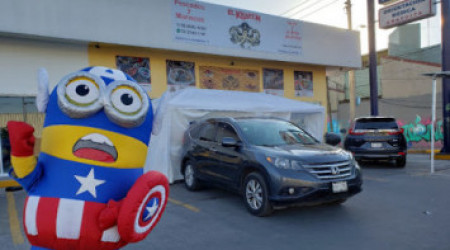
{"type": "Point", "coordinates": [21, 58]}
{"type": "Point", "coordinates": [148, 24]}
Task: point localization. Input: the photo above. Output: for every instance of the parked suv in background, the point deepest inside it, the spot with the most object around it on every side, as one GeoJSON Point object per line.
{"type": "Point", "coordinates": [270, 162]}
{"type": "Point", "coordinates": [376, 138]}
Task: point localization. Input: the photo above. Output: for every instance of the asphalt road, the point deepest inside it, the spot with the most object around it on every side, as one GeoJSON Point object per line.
{"type": "Point", "coordinates": [398, 209]}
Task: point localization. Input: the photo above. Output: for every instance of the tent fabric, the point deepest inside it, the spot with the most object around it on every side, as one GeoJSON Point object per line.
{"type": "Point", "coordinates": [175, 110]}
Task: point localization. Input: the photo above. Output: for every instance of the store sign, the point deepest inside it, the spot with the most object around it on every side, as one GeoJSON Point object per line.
{"type": "Point", "coordinates": [405, 12]}
{"type": "Point", "coordinates": [386, 2]}
{"type": "Point", "coordinates": [221, 26]}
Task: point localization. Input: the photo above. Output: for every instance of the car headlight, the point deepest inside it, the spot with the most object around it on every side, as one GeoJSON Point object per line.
{"type": "Point", "coordinates": [283, 163]}
{"type": "Point", "coordinates": [354, 162]}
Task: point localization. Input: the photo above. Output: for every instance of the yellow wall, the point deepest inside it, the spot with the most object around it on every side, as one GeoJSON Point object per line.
{"type": "Point", "coordinates": [105, 55]}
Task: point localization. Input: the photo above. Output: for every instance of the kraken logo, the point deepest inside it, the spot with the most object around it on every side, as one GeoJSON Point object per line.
{"type": "Point", "coordinates": [244, 35]}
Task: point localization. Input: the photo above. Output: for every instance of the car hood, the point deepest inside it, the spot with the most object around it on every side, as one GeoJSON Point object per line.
{"type": "Point", "coordinates": [309, 154]}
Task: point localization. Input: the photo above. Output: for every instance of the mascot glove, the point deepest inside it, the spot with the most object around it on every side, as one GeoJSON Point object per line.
{"type": "Point", "coordinates": [143, 206]}
{"type": "Point", "coordinates": [21, 138]}
{"type": "Point", "coordinates": [108, 216]}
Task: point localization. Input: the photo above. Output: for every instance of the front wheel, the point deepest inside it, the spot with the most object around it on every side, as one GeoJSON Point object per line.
{"type": "Point", "coordinates": [256, 195]}
{"type": "Point", "coordinates": [190, 180]}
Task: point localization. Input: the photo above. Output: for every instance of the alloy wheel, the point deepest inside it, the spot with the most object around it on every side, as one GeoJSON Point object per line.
{"type": "Point", "coordinates": [189, 175]}
{"type": "Point", "coordinates": [254, 194]}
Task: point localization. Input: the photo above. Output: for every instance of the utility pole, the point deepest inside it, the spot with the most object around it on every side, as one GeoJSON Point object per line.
{"type": "Point", "coordinates": [445, 15]}
{"type": "Point", "coordinates": [372, 59]}
{"type": "Point", "coordinates": [351, 73]}
{"type": "Point", "coordinates": [330, 118]}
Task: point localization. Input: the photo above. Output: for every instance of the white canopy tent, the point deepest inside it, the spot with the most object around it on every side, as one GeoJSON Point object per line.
{"type": "Point", "coordinates": [175, 110]}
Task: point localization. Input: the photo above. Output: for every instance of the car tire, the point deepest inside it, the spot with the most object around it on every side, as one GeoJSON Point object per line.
{"type": "Point", "coordinates": [401, 162]}
{"type": "Point", "coordinates": [256, 195]}
{"type": "Point", "coordinates": [191, 182]}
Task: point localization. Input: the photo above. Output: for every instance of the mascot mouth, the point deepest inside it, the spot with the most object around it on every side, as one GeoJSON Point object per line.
{"type": "Point", "coordinates": [95, 147]}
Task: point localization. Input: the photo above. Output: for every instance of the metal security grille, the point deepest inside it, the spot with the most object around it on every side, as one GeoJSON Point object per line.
{"type": "Point", "coordinates": [330, 171]}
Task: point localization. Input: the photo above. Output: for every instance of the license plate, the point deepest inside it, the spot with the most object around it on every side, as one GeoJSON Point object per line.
{"type": "Point", "coordinates": [339, 187]}
{"type": "Point", "coordinates": [376, 145]}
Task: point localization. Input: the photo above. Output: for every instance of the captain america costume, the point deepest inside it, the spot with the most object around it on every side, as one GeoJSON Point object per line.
{"type": "Point", "coordinates": [68, 198]}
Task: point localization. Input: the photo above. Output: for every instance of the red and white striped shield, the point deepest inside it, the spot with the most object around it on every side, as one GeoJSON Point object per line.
{"type": "Point", "coordinates": [142, 208]}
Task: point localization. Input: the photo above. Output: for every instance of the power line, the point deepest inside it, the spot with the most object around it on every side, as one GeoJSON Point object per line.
{"type": "Point", "coordinates": [293, 8]}
{"type": "Point", "coordinates": [308, 7]}
{"type": "Point", "coordinates": [323, 7]}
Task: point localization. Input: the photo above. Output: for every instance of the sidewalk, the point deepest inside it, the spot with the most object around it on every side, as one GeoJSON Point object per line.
{"type": "Point", "coordinates": [421, 164]}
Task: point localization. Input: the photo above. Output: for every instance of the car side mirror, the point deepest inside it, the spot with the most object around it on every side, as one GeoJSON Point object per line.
{"type": "Point", "coordinates": [332, 139]}
{"type": "Point", "coordinates": [230, 142]}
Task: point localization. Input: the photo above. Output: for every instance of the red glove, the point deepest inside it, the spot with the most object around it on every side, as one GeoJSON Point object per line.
{"type": "Point", "coordinates": [108, 216]}
{"type": "Point", "coordinates": [21, 138]}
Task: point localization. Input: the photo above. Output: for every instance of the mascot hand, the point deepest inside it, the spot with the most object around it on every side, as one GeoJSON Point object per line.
{"type": "Point", "coordinates": [108, 216]}
{"type": "Point", "coordinates": [143, 206]}
{"type": "Point", "coordinates": [21, 138]}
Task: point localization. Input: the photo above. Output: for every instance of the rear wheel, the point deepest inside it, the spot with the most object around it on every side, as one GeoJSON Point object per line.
{"type": "Point", "coordinates": [401, 162]}
{"type": "Point", "coordinates": [256, 195]}
{"type": "Point", "coordinates": [190, 180]}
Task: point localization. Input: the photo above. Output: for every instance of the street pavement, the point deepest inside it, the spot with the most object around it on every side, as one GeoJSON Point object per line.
{"type": "Point", "coordinates": [399, 208]}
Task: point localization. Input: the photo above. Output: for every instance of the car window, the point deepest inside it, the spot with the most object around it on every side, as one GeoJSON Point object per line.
{"type": "Point", "coordinates": [376, 123]}
{"type": "Point", "coordinates": [226, 130]}
{"type": "Point", "coordinates": [194, 132]}
{"type": "Point", "coordinates": [274, 133]}
{"type": "Point", "coordinates": [207, 132]}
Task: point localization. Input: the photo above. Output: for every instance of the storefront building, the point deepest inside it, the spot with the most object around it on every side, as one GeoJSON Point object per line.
{"type": "Point", "coordinates": [165, 45]}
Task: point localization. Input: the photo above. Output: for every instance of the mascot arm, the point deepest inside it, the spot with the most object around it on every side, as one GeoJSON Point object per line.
{"type": "Point", "coordinates": [143, 206]}
{"type": "Point", "coordinates": [108, 216]}
{"type": "Point", "coordinates": [23, 161]}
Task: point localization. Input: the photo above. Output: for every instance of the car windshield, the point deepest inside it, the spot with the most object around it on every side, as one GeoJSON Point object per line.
{"type": "Point", "coordinates": [376, 123]}
{"type": "Point", "coordinates": [274, 133]}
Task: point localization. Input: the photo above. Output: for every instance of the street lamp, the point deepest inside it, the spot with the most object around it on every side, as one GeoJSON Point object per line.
{"type": "Point", "coordinates": [434, 76]}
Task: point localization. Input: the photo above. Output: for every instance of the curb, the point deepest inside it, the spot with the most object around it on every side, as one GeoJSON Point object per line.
{"type": "Point", "coordinates": [442, 157]}
{"type": "Point", "coordinates": [8, 183]}
{"type": "Point", "coordinates": [422, 151]}
{"type": "Point", "coordinates": [437, 154]}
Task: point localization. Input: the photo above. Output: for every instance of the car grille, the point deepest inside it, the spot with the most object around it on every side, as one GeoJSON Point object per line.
{"type": "Point", "coordinates": [330, 171]}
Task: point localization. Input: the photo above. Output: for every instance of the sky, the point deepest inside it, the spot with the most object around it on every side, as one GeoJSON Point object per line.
{"type": "Point", "coordinates": [332, 13]}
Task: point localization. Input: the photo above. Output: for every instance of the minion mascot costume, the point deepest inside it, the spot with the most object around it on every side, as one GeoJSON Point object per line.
{"type": "Point", "coordinates": [87, 188]}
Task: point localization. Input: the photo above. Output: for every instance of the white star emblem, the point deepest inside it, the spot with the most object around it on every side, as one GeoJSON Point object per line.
{"type": "Point", "coordinates": [88, 183]}
{"type": "Point", "coordinates": [151, 210]}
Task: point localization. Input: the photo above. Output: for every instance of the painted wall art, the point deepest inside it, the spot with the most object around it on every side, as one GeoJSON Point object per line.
{"type": "Point", "coordinates": [180, 75]}
{"type": "Point", "coordinates": [303, 83]}
{"type": "Point", "coordinates": [229, 79]}
{"type": "Point", "coordinates": [273, 81]}
{"type": "Point", "coordinates": [136, 67]}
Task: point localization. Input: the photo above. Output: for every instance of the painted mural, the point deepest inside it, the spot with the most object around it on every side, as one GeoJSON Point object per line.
{"type": "Point", "coordinates": [418, 133]}
{"type": "Point", "coordinates": [229, 79]}
{"type": "Point", "coordinates": [273, 81]}
{"type": "Point", "coordinates": [303, 83]}
{"type": "Point", "coordinates": [180, 75]}
{"type": "Point", "coordinates": [138, 68]}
